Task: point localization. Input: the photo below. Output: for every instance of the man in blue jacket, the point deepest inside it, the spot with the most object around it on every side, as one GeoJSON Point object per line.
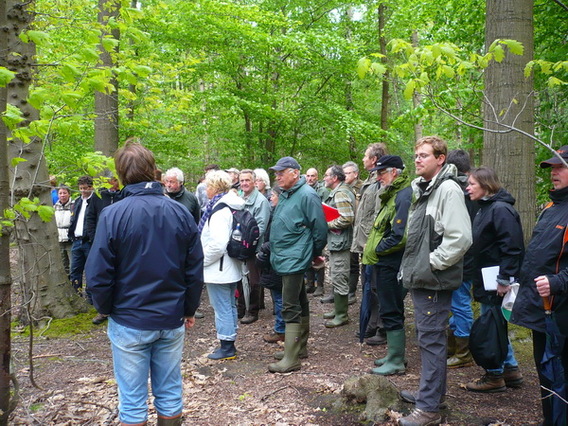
{"type": "Point", "coordinates": [298, 234]}
{"type": "Point", "coordinates": [146, 272]}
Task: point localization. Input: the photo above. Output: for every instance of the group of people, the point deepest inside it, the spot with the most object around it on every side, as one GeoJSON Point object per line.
{"type": "Point", "coordinates": [430, 236]}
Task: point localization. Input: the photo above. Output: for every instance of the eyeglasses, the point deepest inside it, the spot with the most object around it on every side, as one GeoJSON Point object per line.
{"type": "Point", "coordinates": [421, 156]}
{"type": "Point", "coordinates": [383, 172]}
{"type": "Point", "coordinates": [281, 172]}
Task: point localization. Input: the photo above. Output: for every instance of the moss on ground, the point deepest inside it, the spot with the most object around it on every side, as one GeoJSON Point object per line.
{"type": "Point", "coordinates": [65, 327]}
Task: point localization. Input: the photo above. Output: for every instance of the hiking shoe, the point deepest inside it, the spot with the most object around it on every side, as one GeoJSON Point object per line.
{"type": "Point", "coordinates": [380, 338]}
{"type": "Point", "coordinates": [273, 337]}
{"type": "Point", "coordinates": [99, 319]}
{"type": "Point", "coordinates": [249, 319]}
{"type": "Point", "coordinates": [513, 377]}
{"type": "Point", "coordinates": [420, 418]}
{"type": "Point", "coordinates": [410, 397]}
{"type": "Point", "coordinates": [352, 299]}
{"type": "Point", "coordinates": [327, 299]}
{"type": "Point", "coordinates": [198, 315]}
{"type": "Point", "coordinates": [488, 383]}
{"type": "Point", "coordinates": [318, 291]}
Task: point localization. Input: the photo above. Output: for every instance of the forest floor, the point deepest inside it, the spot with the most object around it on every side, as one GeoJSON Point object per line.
{"type": "Point", "coordinates": [77, 385]}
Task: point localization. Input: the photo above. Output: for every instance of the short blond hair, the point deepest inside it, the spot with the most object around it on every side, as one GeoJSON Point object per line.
{"type": "Point", "coordinates": [219, 181]}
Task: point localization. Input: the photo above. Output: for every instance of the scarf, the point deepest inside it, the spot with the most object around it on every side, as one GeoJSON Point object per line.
{"type": "Point", "coordinates": [208, 210]}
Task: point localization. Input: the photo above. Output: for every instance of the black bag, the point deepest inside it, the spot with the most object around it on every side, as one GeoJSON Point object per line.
{"type": "Point", "coordinates": [244, 235]}
{"type": "Point", "coordinates": [488, 339]}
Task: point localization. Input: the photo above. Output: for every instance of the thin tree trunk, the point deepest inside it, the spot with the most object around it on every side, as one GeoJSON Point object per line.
{"type": "Point", "coordinates": [106, 104]}
{"type": "Point", "coordinates": [417, 97]}
{"type": "Point", "coordinates": [385, 94]}
{"type": "Point", "coordinates": [509, 100]}
{"type": "Point", "coordinates": [5, 278]}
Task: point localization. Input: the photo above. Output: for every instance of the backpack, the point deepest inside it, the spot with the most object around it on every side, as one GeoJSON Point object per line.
{"type": "Point", "coordinates": [243, 246]}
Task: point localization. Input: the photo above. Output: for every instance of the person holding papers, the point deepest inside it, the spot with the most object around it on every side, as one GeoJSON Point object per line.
{"type": "Point", "coordinates": [497, 241]}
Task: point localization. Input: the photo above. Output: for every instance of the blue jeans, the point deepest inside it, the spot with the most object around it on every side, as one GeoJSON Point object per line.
{"type": "Point", "coordinates": [462, 314]}
{"type": "Point", "coordinates": [222, 298]}
{"type": "Point", "coordinates": [137, 353]}
{"type": "Point", "coordinates": [279, 324]}
{"type": "Point", "coordinates": [510, 360]}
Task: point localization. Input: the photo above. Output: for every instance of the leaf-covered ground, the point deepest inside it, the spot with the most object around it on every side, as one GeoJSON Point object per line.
{"type": "Point", "coordinates": [77, 385]}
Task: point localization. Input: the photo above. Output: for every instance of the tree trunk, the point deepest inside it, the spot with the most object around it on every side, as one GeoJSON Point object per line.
{"type": "Point", "coordinates": [45, 287]}
{"type": "Point", "coordinates": [106, 104]}
{"type": "Point", "coordinates": [510, 101]}
{"type": "Point", "coordinates": [417, 97]}
{"type": "Point", "coordinates": [385, 96]}
{"type": "Point", "coordinates": [5, 278]}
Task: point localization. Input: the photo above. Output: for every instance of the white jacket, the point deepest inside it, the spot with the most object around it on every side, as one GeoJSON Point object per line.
{"type": "Point", "coordinates": [218, 267]}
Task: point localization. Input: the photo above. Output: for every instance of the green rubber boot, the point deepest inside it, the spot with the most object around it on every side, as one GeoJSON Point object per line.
{"type": "Point", "coordinates": [394, 362]}
{"type": "Point", "coordinates": [329, 315]}
{"type": "Point", "coordinates": [305, 323]}
{"type": "Point", "coordinates": [292, 345]}
{"type": "Point", "coordinates": [341, 306]}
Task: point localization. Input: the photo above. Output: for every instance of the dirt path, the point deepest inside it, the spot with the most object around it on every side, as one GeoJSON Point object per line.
{"type": "Point", "coordinates": [78, 385]}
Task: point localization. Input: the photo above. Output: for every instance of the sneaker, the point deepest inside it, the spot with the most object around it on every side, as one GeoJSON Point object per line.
{"type": "Point", "coordinates": [410, 397]}
{"type": "Point", "coordinates": [273, 337]}
{"type": "Point", "coordinates": [99, 319]}
{"type": "Point", "coordinates": [488, 383]}
{"type": "Point", "coordinates": [420, 418]}
{"type": "Point", "coordinates": [513, 377]}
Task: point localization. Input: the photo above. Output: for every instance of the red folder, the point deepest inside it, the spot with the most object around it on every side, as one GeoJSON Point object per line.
{"type": "Point", "coordinates": [330, 212]}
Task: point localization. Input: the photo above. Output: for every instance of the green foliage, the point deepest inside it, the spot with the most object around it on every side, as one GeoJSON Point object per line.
{"type": "Point", "coordinates": [57, 328]}
{"type": "Point", "coordinates": [5, 76]}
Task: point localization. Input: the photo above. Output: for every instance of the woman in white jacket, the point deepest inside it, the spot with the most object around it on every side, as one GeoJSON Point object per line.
{"type": "Point", "coordinates": [221, 272]}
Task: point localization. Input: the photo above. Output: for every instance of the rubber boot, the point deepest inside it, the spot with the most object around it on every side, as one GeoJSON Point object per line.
{"type": "Point", "coordinates": [341, 306]}
{"type": "Point", "coordinates": [226, 351]}
{"type": "Point", "coordinates": [292, 346]}
{"type": "Point", "coordinates": [462, 356]}
{"type": "Point", "coordinates": [329, 315]}
{"type": "Point", "coordinates": [305, 322]}
{"type": "Point", "coordinates": [451, 343]}
{"type": "Point", "coordinates": [394, 364]}
{"type": "Point", "coordinates": [169, 421]}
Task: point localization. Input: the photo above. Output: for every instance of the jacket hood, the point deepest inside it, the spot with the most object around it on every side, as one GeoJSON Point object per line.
{"type": "Point", "coordinates": [502, 195]}
{"type": "Point", "coordinates": [143, 188]}
{"type": "Point", "coordinates": [232, 200]}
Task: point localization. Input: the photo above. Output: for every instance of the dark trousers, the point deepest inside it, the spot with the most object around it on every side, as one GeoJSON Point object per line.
{"type": "Point", "coordinates": [539, 344]}
{"type": "Point", "coordinates": [431, 312]}
{"type": "Point", "coordinates": [391, 294]}
{"type": "Point", "coordinates": [254, 286]}
{"type": "Point", "coordinates": [295, 303]}
{"type": "Point", "coordinates": [79, 253]}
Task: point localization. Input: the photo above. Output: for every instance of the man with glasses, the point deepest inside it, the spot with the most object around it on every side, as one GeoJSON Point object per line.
{"type": "Point", "coordinates": [438, 236]}
{"type": "Point", "coordinates": [351, 170]}
{"type": "Point", "coordinates": [298, 235]}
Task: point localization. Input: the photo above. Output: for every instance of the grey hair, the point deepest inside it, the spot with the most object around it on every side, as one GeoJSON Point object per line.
{"type": "Point", "coordinates": [351, 164]}
{"type": "Point", "coordinates": [262, 174]}
{"type": "Point", "coordinates": [175, 172]}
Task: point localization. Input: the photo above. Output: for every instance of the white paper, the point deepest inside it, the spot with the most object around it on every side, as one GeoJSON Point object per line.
{"type": "Point", "coordinates": [489, 275]}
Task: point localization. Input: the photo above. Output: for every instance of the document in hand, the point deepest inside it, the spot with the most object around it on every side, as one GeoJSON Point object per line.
{"type": "Point", "coordinates": [330, 212]}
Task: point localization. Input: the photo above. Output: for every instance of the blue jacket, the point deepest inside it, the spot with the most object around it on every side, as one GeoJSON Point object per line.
{"type": "Point", "coordinates": [145, 267]}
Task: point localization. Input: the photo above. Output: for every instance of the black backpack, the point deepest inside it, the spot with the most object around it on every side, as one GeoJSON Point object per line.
{"type": "Point", "coordinates": [245, 247]}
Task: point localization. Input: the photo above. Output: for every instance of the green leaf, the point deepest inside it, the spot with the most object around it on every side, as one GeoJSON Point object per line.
{"type": "Point", "coordinates": [378, 69]}
{"type": "Point", "coordinates": [69, 72]}
{"type": "Point", "coordinates": [109, 44]}
{"type": "Point", "coordinates": [409, 89]}
{"type": "Point", "coordinates": [514, 46]}
{"type": "Point", "coordinates": [17, 160]}
{"type": "Point", "coordinates": [38, 37]}
{"type": "Point", "coordinates": [363, 66]}
{"type": "Point", "coordinates": [45, 213]}
{"type": "Point", "coordinates": [499, 53]}
{"type": "Point", "coordinates": [5, 76]}
{"type": "Point", "coordinates": [553, 81]}
{"type": "Point", "coordinates": [38, 97]}
{"type": "Point", "coordinates": [142, 70]}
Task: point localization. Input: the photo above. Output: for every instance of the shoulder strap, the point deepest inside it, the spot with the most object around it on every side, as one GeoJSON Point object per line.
{"type": "Point", "coordinates": [219, 206]}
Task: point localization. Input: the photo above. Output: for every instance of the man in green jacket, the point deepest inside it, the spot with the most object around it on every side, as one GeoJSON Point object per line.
{"type": "Point", "coordinates": [298, 235]}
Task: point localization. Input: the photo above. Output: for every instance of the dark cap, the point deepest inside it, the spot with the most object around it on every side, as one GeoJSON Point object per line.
{"type": "Point", "coordinates": [285, 163]}
{"type": "Point", "coordinates": [563, 152]}
{"type": "Point", "coordinates": [387, 161]}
